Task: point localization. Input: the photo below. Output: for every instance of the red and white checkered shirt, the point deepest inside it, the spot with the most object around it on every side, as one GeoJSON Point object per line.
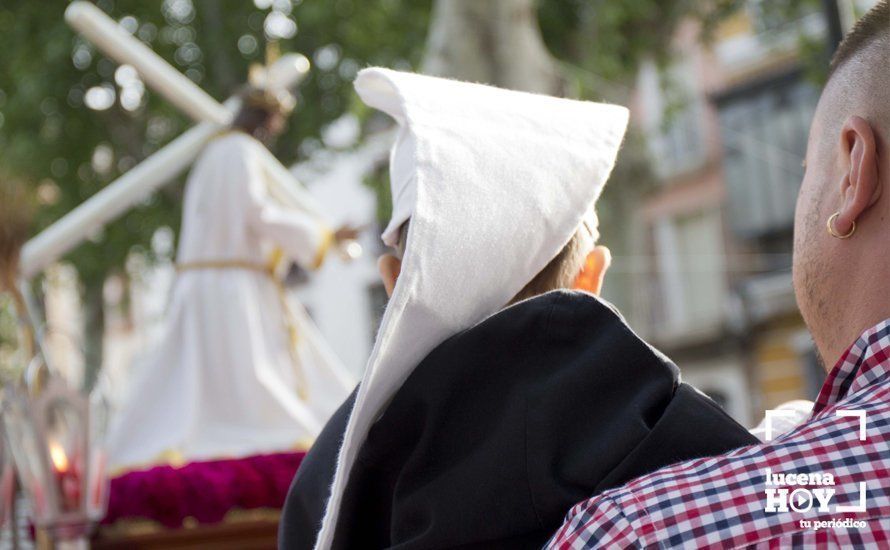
{"type": "Point", "coordinates": [756, 496]}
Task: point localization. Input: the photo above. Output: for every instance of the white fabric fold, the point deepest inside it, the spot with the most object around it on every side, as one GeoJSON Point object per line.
{"type": "Point", "coordinates": [222, 380]}
{"type": "Point", "coordinates": [495, 182]}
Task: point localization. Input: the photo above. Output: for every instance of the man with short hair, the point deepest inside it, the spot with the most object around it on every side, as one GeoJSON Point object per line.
{"type": "Point", "coordinates": [495, 397]}
{"type": "Point", "coordinates": [754, 496]}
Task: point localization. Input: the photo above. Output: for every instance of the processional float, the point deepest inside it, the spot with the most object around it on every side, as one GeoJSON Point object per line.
{"type": "Point", "coordinates": [72, 496]}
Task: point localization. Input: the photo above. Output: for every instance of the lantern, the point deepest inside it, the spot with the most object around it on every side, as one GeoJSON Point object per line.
{"type": "Point", "coordinates": [56, 437]}
{"type": "Point", "coordinates": [7, 484]}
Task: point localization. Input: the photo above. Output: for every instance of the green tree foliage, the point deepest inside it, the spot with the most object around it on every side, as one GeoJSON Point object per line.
{"type": "Point", "coordinates": [66, 151]}
{"type": "Point", "coordinates": [624, 33]}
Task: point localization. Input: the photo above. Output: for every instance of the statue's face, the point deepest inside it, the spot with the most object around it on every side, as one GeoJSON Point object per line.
{"type": "Point", "coordinates": [277, 123]}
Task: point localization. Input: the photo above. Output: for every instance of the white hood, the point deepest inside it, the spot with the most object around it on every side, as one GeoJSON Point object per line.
{"type": "Point", "coordinates": [495, 182]}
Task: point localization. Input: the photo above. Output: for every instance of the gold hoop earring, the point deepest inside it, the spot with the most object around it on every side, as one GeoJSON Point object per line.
{"type": "Point", "coordinates": [834, 233]}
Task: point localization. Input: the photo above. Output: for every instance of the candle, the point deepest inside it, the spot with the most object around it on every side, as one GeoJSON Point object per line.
{"type": "Point", "coordinates": [67, 478]}
{"type": "Point", "coordinates": [58, 456]}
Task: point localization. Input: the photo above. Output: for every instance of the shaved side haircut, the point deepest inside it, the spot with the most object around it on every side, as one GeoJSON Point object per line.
{"type": "Point", "coordinates": [872, 29]}
{"type": "Point", "coordinates": [859, 78]}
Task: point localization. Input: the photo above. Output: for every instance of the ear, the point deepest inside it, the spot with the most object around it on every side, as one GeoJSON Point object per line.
{"type": "Point", "coordinates": [389, 267]}
{"type": "Point", "coordinates": [591, 276]}
{"type": "Point", "coordinates": [860, 187]}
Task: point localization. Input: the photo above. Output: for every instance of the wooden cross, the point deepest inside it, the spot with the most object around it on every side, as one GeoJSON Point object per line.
{"type": "Point", "coordinates": [165, 164]}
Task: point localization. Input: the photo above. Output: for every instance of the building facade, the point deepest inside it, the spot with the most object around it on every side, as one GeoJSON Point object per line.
{"type": "Point", "coordinates": [727, 127]}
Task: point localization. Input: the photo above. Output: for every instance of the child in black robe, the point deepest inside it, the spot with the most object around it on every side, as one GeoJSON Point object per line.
{"type": "Point", "coordinates": [498, 428]}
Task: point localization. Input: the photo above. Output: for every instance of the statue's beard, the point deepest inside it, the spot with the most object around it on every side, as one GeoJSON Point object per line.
{"type": "Point", "coordinates": [264, 136]}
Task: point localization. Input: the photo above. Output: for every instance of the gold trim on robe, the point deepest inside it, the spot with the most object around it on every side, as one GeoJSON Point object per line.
{"type": "Point", "coordinates": [290, 321]}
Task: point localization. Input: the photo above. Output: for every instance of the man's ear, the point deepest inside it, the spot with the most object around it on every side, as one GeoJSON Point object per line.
{"type": "Point", "coordinates": [389, 267]}
{"type": "Point", "coordinates": [860, 187]}
{"type": "Point", "coordinates": [592, 274]}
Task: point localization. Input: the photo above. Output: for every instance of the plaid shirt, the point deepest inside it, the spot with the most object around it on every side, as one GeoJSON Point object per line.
{"type": "Point", "coordinates": [726, 501]}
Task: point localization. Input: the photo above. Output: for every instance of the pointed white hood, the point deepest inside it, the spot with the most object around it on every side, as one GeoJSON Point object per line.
{"type": "Point", "coordinates": [495, 182]}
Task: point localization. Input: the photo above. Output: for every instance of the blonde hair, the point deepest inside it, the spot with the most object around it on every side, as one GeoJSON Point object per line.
{"type": "Point", "coordinates": [560, 272]}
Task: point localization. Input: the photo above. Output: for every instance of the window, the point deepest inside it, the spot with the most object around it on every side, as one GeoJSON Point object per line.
{"type": "Point", "coordinates": [691, 272]}
{"type": "Point", "coordinates": [765, 133]}
{"type": "Point", "coordinates": [769, 16]}
{"type": "Point", "coordinates": [678, 146]}
{"type": "Point", "coordinates": [674, 118]}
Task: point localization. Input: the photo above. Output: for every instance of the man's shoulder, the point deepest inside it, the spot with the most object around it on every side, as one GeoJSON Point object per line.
{"type": "Point", "coordinates": [728, 496]}
{"type": "Point", "coordinates": [743, 467]}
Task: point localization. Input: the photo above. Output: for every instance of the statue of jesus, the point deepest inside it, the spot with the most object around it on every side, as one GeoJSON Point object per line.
{"type": "Point", "coordinates": [240, 368]}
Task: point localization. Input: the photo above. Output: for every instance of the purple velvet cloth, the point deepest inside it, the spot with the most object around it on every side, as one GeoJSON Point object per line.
{"type": "Point", "coordinates": [203, 490]}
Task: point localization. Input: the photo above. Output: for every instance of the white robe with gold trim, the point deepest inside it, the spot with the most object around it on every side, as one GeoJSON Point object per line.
{"type": "Point", "coordinates": [222, 381]}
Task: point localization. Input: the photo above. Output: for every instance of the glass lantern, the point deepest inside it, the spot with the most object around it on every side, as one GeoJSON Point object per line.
{"type": "Point", "coordinates": [56, 436]}
{"type": "Point", "coordinates": [7, 485]}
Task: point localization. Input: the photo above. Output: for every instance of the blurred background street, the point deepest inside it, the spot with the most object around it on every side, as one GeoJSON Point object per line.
{"type": "Point", "coordinates": [698, 213]}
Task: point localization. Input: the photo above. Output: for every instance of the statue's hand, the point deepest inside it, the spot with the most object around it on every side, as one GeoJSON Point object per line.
{"type": "Point", "coordinates": [346, 233]}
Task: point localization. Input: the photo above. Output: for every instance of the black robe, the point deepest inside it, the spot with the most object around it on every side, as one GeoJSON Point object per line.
{"type": "Point", "coordinates": [504, 427]}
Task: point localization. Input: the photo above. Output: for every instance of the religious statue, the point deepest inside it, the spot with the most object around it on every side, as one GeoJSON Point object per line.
{"type": "Point", "coordinates": [240, 368]}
